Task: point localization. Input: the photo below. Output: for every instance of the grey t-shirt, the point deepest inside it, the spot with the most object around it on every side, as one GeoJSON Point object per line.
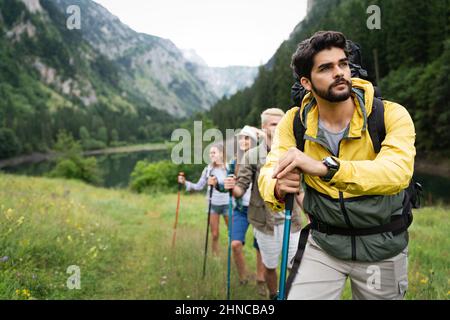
{"type": "Point", "coordinates": [333, 138]}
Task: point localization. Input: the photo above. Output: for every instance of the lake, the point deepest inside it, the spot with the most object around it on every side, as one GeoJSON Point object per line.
{"type": "Point", "coordinates": [117, 168]}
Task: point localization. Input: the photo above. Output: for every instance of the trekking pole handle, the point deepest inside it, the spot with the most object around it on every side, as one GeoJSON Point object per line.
{"type": "Point", "coordinates": [289, 202]}
{"type": "Point", "coordinates": [210, 188]}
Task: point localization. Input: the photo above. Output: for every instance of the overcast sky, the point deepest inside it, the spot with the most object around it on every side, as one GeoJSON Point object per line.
{"type": "Point", "coordinates": [223, 33]}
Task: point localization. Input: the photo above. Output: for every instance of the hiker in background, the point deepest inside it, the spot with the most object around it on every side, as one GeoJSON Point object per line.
{"type": "Point", "coordinates": [213, 174]}
{"type": "Point", "coordinates": [354, 191]}
{"type": "Point", "coordinates": [247, 139]}
{"type": "Point", "coordinates": [267, 225]}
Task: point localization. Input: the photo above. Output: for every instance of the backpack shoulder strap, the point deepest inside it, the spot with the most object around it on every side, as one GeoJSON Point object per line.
{"type": "Point", "coordinates": [299, 131]}
{"type": "Point", "coordinates": [375, 122]}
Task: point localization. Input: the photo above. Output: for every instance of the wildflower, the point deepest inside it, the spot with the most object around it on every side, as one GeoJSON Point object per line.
{"type": "Point", "coordinates": [26, 293]}
{"type": "Point", "coordinates": [69, 238]}
{"type": "Point", "coordinates": [20, 220]}
{"type": "Point", "coordinates": [8, 213]}
{"type": "Point", "coordinates": [424, 281]}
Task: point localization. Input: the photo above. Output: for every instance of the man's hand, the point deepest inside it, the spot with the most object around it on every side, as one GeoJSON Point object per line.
{"type": "Point", "coordinates": [295, 159]}
{"type": "Point", "coordinates": [212, 181]}
{"type": "Point", "coordinates": [229, 183]}
{"type": "Point", "coordinates": [289, 183]}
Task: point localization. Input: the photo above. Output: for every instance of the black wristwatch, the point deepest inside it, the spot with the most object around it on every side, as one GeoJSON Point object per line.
{"type": "Point", "coordinates": [333, 167]}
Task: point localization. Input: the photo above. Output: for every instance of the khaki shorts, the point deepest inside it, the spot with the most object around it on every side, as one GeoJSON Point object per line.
{"type": "Point", "coordinates": [323, 277]}
{"type": "Point", "coordinates": [270, 246]}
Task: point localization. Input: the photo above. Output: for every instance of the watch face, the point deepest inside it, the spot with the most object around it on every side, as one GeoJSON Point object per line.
{"type": "Point", "coordinates": [331, 162]}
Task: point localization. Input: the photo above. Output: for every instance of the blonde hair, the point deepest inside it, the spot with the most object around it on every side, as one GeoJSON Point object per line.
{"type": "Point", "coordinates": [271, 112]}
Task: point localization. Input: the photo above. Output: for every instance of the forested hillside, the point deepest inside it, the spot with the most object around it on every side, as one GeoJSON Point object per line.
{"type": "Point", "coordinates": [413, 52]}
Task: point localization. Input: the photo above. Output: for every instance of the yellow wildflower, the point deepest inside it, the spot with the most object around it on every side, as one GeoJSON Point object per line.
{"type": "Point", "coordinates": [424, 281]}
{"type": "Point", "coordinates": [20, 220]}
{"type": "Point", "coordinates": [26, 293]}
{"type": "Point", "coordinates": [8, 214]}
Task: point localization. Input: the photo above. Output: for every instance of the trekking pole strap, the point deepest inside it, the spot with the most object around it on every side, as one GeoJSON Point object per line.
{"type": "Point", "coordinates": [298, 257]}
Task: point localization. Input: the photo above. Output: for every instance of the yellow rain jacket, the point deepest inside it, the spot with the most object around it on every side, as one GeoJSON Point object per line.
{"type": "Point", "coordinates": [366, 191]}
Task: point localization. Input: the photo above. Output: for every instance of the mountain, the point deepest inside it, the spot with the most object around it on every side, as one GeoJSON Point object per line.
{"type": "Point", "coordinates": [412, 49]}
{"type": "Point", "coordinates": [151, 66]}
{"type": "Point", "coordinates": [223, 81]}
{"type": "Point", "coordinates": [51, 78]}
{"type": "Point", "coordinates": [103, 79]}
{"type": "Point", "coordinates": [155, 67]}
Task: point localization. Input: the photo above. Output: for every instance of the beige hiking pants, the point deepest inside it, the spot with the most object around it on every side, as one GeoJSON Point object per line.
{"type": "Point", "coordinates": [323, 277]}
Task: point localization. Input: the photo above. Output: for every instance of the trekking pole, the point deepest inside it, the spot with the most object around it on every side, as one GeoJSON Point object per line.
{"type": "Point", "coordinates": [285, 248]}
{"type": "Point", "coordinates": [207, 229]}
{"type": "Point", "coordinates": [178, 207]}
{"type": "Point", "coordinates": [230, 172]}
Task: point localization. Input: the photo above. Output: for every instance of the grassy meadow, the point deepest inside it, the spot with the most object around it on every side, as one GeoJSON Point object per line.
{"type": "Point", "coordinates": [121, 241]}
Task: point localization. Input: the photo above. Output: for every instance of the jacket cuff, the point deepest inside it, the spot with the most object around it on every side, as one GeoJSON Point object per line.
{"type": "Point", "coordinates": [277, 196]}
{"type": "Point", "coordinates": [275, 204]}
{"type": "Point", "coordinates": [337, 180]}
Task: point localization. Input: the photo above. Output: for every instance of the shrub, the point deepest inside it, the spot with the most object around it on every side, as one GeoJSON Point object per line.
{"type": "Point", "coordinates": [160, 176]}
{"type": "Point", "coordinates": [71, 164]}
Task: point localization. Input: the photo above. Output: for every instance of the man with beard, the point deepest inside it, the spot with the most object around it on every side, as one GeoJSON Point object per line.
{"type": "Point", "coordinates": [353, 194]}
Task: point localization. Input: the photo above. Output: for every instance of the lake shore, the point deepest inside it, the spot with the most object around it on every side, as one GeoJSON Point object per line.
{"type": "Point", "coordinates": [39, 156]}
{"type": "Point", "coordinates": [436, 166]}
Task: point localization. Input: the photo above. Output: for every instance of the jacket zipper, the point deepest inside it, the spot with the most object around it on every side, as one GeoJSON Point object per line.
{"type": "Point", "coordinates": [346, 217]}
{"type": "Point", "coordinates": [347, 221]}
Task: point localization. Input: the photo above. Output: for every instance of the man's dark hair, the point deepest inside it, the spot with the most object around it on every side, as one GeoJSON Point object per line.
{"type": "Point", "coordinates": [303, 58]}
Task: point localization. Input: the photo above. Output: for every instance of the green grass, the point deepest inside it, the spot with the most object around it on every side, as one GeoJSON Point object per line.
{"type": "Point", "coordinates": [122, 243]}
